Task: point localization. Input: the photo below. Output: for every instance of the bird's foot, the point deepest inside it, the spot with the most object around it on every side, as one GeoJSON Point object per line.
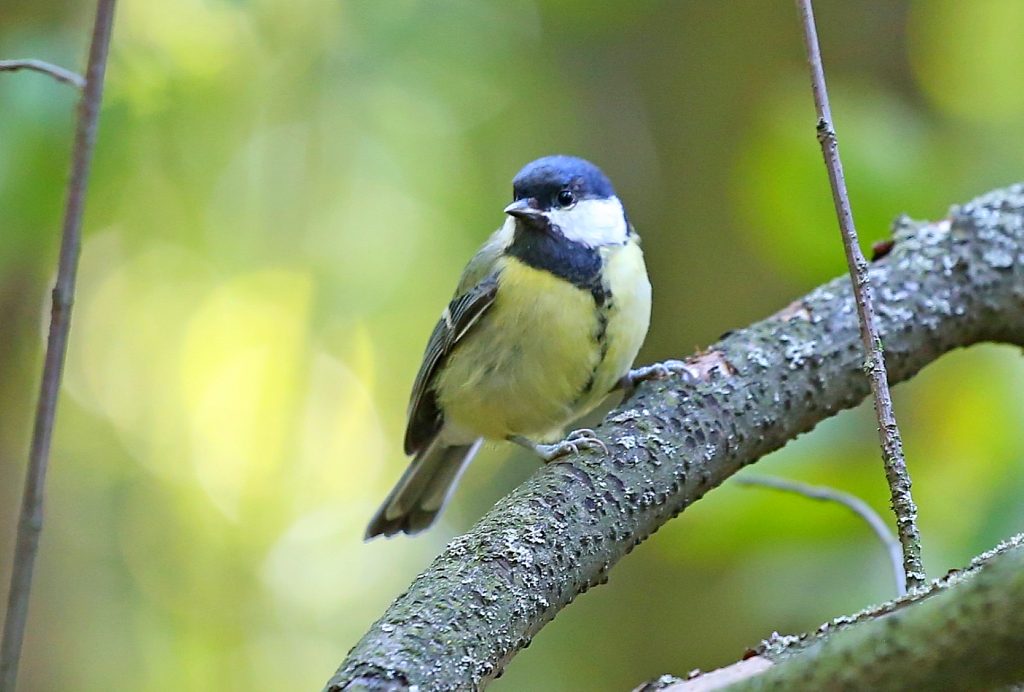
{"type": "Point", "coordinates": [577, 440]}
{"type": "Point", "coordinates": [656, 371]}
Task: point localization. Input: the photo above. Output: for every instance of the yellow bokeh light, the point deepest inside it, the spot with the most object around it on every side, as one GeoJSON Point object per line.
{"type": "Point", "coordinates": [240, 370]}
{"type": "Point", "coordinates": [342, 446]}
{"type": "Point", "coordinates": [162, 42]}
{"type": "Point", "coordinates": [967, 56]}
{"type": "Point", "coordinates": [128, 325]}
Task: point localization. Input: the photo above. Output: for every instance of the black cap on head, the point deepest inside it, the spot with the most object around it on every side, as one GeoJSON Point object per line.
{"type": "Point", "coordinates": [544, 178]}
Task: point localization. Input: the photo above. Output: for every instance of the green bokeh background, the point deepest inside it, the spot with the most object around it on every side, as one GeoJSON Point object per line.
{"type": "Point", "coordinates": [282, 198]}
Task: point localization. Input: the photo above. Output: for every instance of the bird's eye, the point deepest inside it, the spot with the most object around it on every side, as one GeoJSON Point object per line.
{"type": "Point", "coordinates": [566, 198]}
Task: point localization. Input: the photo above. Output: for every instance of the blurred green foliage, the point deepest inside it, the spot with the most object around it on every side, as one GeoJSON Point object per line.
{"type": "Point", "coordinates": [283, 196]}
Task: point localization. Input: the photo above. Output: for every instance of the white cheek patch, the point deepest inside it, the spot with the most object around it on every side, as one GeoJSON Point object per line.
{"type": "Point", "coordinates": [592, 222]}
{"type": "Point", "coordinates": [504, 236]}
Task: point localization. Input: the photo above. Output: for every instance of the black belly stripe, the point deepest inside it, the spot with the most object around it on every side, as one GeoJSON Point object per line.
{"type": "Point", "coordinates": [552, 252]}
{"type": "Point", "coordinates": [600, 335]}
{"type": "Point", "coordinates": [579, 264]}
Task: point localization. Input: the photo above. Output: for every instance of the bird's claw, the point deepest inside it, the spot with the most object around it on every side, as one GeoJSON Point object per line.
{"type": "Point", "coordinates": [573, 444]}
{"type": "Point", "coordinates": [576, 440]}
{"type": "Point", "coordinates": [657, 371]}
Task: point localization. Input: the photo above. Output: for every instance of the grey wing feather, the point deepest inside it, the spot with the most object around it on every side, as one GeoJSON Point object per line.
{"type": "Point", "coordinates": [482, 264]}
{"type": "Point", "coordinates": [475, 293]}
{"type": "Point", "coordinates": [460, 315]}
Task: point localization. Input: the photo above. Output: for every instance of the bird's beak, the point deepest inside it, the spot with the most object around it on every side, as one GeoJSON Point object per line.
{"type": "Point", "coordinates": [527, 210]}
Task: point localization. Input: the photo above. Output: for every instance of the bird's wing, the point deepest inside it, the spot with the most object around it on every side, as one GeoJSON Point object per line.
{"type": "Point", "coordinates": [458, 318]}
{"type": "Point", "coordinates": [483, 262]}
{"type": "Point", "coordinates": [474, 294]}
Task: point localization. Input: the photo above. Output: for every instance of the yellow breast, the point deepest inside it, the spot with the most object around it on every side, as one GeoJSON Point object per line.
{"type": "Point", "coordinates": [628, 315]}
{"type": "Point", "coordinates": [545, 353]}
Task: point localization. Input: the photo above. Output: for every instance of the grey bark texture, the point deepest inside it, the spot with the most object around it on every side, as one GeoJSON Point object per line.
{"type": "Point", "coordinates": [966, 632]}
{"type": "Point", "coordinates": [945, 285]}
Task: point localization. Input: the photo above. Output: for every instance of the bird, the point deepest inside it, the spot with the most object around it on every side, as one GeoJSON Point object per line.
{"type": "Point", "coordinates": [546, 321]}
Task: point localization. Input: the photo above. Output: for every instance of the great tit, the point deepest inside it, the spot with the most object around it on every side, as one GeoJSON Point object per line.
{"type": "Point", "coordinates": [546, 321]}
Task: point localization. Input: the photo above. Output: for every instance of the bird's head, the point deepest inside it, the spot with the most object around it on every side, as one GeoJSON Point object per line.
{"type": "Point", "coordinates": [571, 197]}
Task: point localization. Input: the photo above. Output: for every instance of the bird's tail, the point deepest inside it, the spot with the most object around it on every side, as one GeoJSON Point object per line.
{"type": "Point", "coordinates": [424, 489]}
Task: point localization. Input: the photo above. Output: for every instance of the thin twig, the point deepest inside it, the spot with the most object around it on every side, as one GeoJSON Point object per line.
{"type": "Point", "coordinates": [30, 522]}
{"type": "Point", "coordinates": [852, 503]}
{"type": "Point", "coordinates": [59, 73]}
{"type": "Point", "coordinates": [889, 433]}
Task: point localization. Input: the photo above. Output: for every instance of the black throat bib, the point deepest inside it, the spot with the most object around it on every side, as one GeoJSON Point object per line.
{"type": "Point", "coordinates": [550, 251]}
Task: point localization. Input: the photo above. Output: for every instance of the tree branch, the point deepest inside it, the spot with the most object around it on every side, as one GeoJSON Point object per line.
{"type": "Point", "coordinates": [896, 472]}
{"type": "Point", "coordinates": [852, 503]}
{"type": "Point", "coordinates": [30, 521]}
{"type": "Point", "coordinates": [964, 631]}
{"type": "Point", "coordinates": [945, 285]}
{"type": "Point", "coordinates": [55, 71]}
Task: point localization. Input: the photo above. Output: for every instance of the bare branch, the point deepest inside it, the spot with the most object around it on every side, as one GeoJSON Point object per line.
{"type": "Point", "coordinates": [30, 521]}
{"type": "Point", "coordinates": [852, 503]}
{"type": "Point", "coordinates": [55, 71]}
{"type": "Point", "coordinates": [699, 681]}
{"type": "Point", "coordinates": [889, 433]}
{"type": "Point", "coordinates": [945, 285]}
{"type": "Point", "coordinates": [963, 631]}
